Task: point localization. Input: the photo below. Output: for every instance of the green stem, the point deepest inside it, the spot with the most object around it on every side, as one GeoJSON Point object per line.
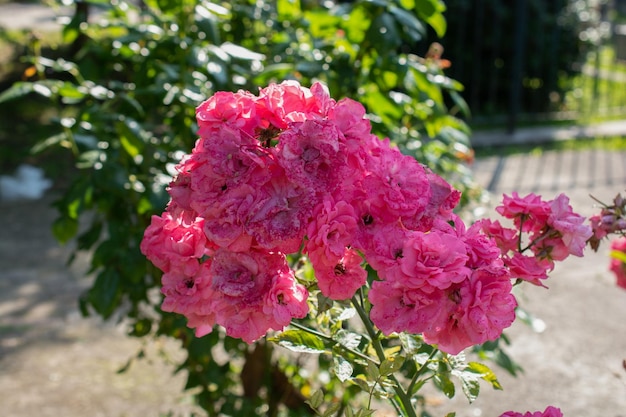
{"type": "Point", "coordinates": [331, 340]}
{"type": "Point", "coordinates": [405, 399]}
{"type": "Point", "coordinates": [420, 371]}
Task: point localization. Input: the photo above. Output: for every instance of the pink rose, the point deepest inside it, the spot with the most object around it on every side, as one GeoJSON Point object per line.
{"type": "Point", "coordinates": [175, 242]}
{"type": "Point", "coordinates": [339, 277]}
{"type": "Point", "coordinates": [573, 233]}
{"type": "Point", "coordinates": [476, 310]}
{"type": "Point", "coordinates": [528, 268]}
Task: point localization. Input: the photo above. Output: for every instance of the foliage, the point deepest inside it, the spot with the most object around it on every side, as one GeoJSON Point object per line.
{"type": "Point", "coordinates": [125, 97]}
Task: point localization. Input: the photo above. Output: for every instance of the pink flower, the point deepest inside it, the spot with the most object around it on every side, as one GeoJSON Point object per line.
{"type": "Point", "coordinates": [340, 279]}
{"type": "Point", "coordinates": [399, 308]}
{"type": "Point", "coordinates": [476, 310]}
{"type": "Point", "coordinates": [287, 102]}
{"type": "Point", "coordinates": [279, 214]}
{"type": "Point", "coordinates": [549, 412]}
{"type": "Point", "coordinates": [529, 212]}
{"type": "Point", "coordinates": [175, 242]}
{"type": "Point", "coordinates": [443, 199]}
{"type": "Point", "coordinates": [397, 185]}
{"type": "Point", "coordinates": [189, 295]}
{"type": "Point", "coordinates": [617, 264]}
{"type": "Point", "coordinates": [333, 227]}
{"type": "Point", "coordinates": [506, 239]}
{"type": "Point", "coordinates": [528, 268]}
{"type": "Point", "coordinates": [573, 233]}
{"type": "Point", "coordinates": [481, 249]}
{"type": "Point", "coordinates": [312, 155]}
{"type": "Point", "coordinates": [436, 258]}
{"type": "Point", "coordinates": [254, 292]}
{"type": "Point", "coordinates": [224, 109]}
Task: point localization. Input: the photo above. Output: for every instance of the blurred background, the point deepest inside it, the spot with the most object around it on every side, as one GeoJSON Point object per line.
{"type": "Point", "coordinates": [97, 104]}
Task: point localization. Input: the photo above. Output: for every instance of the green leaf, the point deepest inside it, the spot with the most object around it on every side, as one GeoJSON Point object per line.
{"type": "Point", "coordinates": [18, 89]}
{"type": "Point", "coordinates": [342, 368]}
{"type": "Point", "coordinates": [391, 365]}
{"type": "Point", "coordinates": [372, 371]}
{"type": "Point", "coordinates": [240, 52]}
{"type": "Point", "coordinates": [432, 12]}
{"type": "Point", "coordinates": [58, 139]}
{"type": "Point", "coordinates": [470, 386]}
{"type": "Point", "coordinates": [64, 228]}
{"type": "Point", "coordinates": [485, 373]}
{"type": "Point", "coordinates": [361, 383]}
{"type": "Point", "coordinates": [300, 341]}
{"type": "Point", "coordinates": [316, 399]}
{"type": "Point", "coordinates": [130, 136]}
{"type": "Point", "coordinates": [332, 409]}
{"type": "Point", "coordinates": [409, 22]}
{"type": "Point", "coordinates": [104, 294]}
{"type": "Point", "coordinates": [348, 339]}
{"type": "Point", "coordinates": [445, 384]}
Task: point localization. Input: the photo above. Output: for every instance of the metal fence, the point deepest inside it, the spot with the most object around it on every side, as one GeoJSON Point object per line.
{"type": "Point", "coordinates": [529, 61]}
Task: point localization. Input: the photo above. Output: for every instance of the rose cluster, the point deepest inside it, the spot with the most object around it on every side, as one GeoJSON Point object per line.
{"type": "Point", "coordinates": [291, 170]}
{"type": "Point", "coordinates": [544, 232]}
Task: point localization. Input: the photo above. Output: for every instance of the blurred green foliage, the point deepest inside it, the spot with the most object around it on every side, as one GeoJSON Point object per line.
{"type": "Point", "coordinates": [124, 95]}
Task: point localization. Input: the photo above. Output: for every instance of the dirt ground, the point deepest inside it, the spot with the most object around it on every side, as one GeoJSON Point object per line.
{"type": "Point", "coordinates": [55, 363]}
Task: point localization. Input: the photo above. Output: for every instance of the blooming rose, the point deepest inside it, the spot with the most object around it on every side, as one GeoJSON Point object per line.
{"type": "Point", "coordinates": [175, 241]}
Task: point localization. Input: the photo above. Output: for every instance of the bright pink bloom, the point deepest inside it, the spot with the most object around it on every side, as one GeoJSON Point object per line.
{"type": "Point", "coordinates": [175, 242]}
{"type": "Point", "coordinates": [549, 412]}
{"type": "Point", "coordinates": [506, 239]}
{"type": "Point", "coordinates": [617, 265]}
{"type": "Point", "coordinates": [529, 212]}
{"type": "Point", "coordinates": [312, 155]}
{"type": "Point", "coordinates": [384, 247]}
{"type": "Point", "coordinates": [399, 308]}
{"type": "Point", "coordinates": [443, 199]}
{"type": "Point", "coordinates": [481, 249]}
{"type": "Point", "coordinates": [476, 310]}
{"type": "Point", "coordinates": [333, 227]}
{"type": "Point", "coordinates": [573, 233]}
{"type": "Point", "coordinates": [528, 268]}
{"type": "Point", "coordinates": [224, 109]}
{"type": "Point", "coordinates": [287, 102]}
{"type": "Point", "coordinates": [397, 186]}
{"type": "Point", "coordinates": [279, 214]}
{"type": "Point", "coordinates": [341, 279]}
{"type": "Point", "coordinates": [436, 258]}
{"type": "Point", "coordinates": [254, 292]}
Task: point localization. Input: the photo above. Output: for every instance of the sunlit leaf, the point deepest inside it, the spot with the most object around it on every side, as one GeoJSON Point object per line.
{"type": "Point", "coordinates": [300, 341]}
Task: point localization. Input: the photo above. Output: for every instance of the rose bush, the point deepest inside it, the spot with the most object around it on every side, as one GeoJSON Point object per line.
{"type": "Point", "coordinates": [291, 177]}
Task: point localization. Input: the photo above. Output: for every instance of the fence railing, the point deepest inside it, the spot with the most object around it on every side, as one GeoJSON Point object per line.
{"type": "Point", "coordinates": [529, 61]}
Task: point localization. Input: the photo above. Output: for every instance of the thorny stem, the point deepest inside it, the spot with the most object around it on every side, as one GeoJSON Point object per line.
{"type": "Point", "coordinates": [405, 399]}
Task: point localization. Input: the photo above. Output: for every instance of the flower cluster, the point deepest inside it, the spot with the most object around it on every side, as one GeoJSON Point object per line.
{"type": "Point", "coordinates": [294, 171]}
{"type": "Point", "coordinates": [548, 412]}
{"type": "Point", "coordinates": [547, 230]}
